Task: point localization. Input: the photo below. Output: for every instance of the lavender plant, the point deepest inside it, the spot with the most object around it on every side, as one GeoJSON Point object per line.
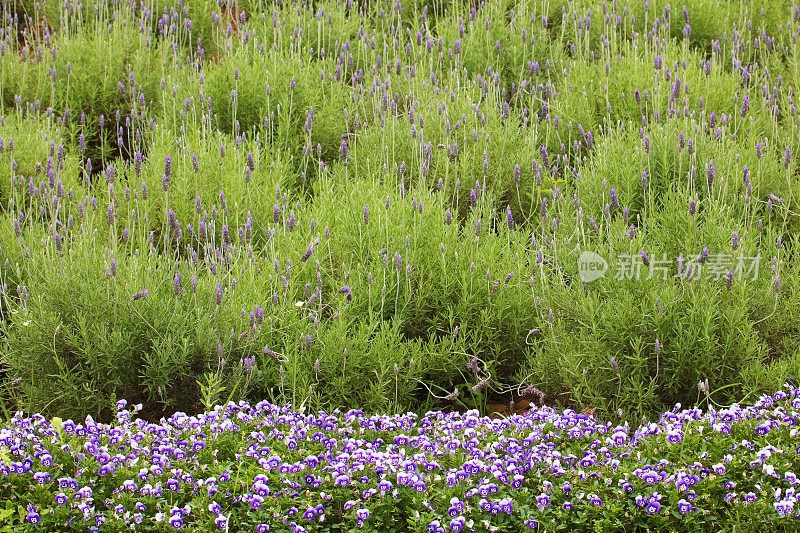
{"type": "Point", "coordinates": [344, 204]}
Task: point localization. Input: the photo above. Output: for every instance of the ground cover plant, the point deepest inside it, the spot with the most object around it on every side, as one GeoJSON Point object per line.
{"type": "Point", "coordinates": [263, 467]}
{"type": "Point", "coordinates": [387, 205]}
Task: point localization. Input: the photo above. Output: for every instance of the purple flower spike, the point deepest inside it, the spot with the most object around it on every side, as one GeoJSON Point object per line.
{"type": "Point", "coordinates": [509, 217]}
{"type": "Point", "coordinates": [176, 284]}
{"type": "Point", "coordinates": [347, 291]}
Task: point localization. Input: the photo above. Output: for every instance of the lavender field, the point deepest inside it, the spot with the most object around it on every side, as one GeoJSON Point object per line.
{"type": "Point", "coordinates": [310, 219]}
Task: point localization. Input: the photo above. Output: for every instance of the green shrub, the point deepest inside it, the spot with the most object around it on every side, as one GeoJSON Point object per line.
{"type": "Point", "coordinates": [367, 206]}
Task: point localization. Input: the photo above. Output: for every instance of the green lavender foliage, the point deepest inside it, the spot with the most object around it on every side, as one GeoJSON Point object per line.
{"type": "Point", "coordinates": [355, 204]}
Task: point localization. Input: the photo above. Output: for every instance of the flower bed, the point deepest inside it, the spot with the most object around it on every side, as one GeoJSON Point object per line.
{"type": "Point", "coordinates": [269, 468]}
